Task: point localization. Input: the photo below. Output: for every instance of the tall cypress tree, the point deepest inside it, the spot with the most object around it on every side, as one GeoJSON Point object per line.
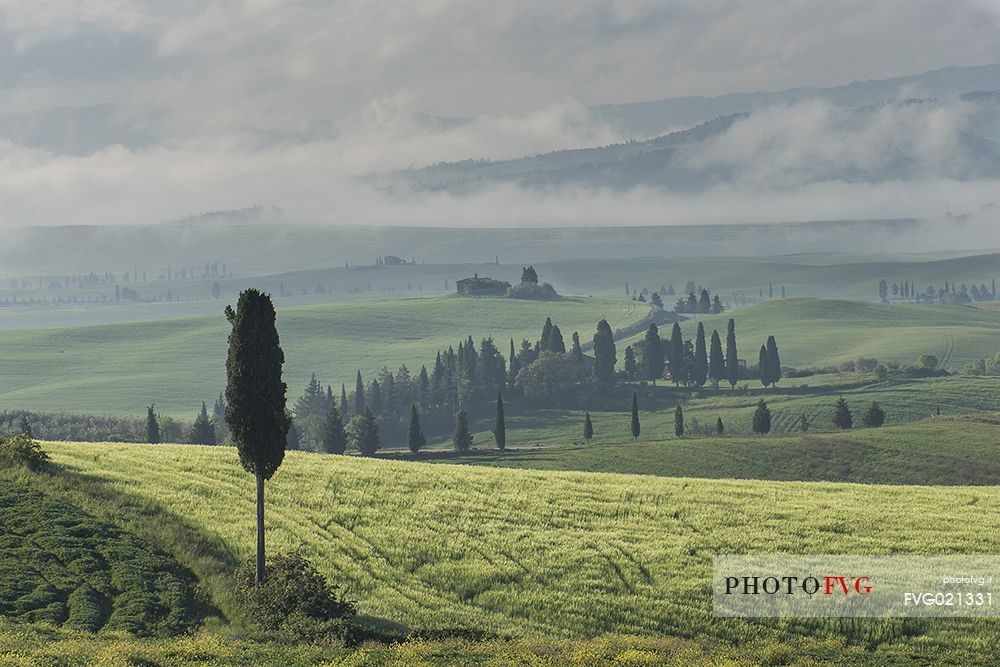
{"type": "Point", "coordinates": [773, 361]}
{"type": "Point", "coordinates": [577, 349]}
{"type": "Point", "coordinates": [359, 395]}
{"type": "Point", "coordinates": [343, 401]}
{"type": "Point", "coordinates": [700, 357]}
{"type": "Point", "coordinates": [414, 434]}
{"type": "Point", "coordinates": [513, 365]}
{"type": "Point", "coordinates": [500, 427]}
{"type": "Point", "coordinates": [334, 438]}
{"type": "Point", "coordinates": [732, 356]}
{"type": "Point", "coordinates": [557, 343]}
{"type": "Point", "coordinates": [679, 421]}
{"type": "Point", "coordinates": [588, 428]}
{"type": "Point", "coordinates": [152, 426]}
{"type": "Point", "coordinates": [255, 396]}
{"type": "Point", "coordinates": [546, 340]}
{"type": "Point", "coordinates": [635, 417]}
{"type": "Point", "coordinates": [765, 366]}
{"type": "Point", "coordinates": [604, 354]}
{"type": "Point", "coordinates": [654, 354]}
{"type": "Point", "coordinates": [461, 439]}
{"type": "Point", "coordinates": [678, 372]}
{"type": "Point", "coordinates": [716, 362]}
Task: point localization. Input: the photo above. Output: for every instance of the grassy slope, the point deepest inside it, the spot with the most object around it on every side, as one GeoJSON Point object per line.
{"type": "Point", "coordinates": [532, 552]}
{"type": "Point", "coordinates": [178, 363]}
{"type": "Point", "coordinates": [903, 401]}
{"type": "Point", "coordinates": [939, 452]}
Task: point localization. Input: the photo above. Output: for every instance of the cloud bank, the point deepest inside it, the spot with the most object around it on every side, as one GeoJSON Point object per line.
{"type": "Point", "coordinates": [261, 101]}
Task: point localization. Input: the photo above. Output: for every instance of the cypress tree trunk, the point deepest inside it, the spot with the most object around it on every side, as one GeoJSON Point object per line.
{"type": "Point", "coordinates": [261, 575]}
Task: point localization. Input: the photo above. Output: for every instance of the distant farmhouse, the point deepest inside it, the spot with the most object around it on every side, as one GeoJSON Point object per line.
{"type": "Point", "coordinates": [527, 289]}
{"type": "Point", "coordinates": [476, 286]}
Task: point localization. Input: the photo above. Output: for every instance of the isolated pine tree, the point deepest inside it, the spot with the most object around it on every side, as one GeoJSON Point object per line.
{"type": "Point", "coordinates": [202, 431]}
{"type": "Point", "coordinates": [842, 417]}
{"type": "Point", "coordinates": [732, 356]}
{"type": "Point", "coordinates": [461, 439]}
{"type": "Point", "coordinates": [635, 416]}
{"type": "Point", "coordinates": [588, 428]}
{"type": "Point", "coordinates": [152, 426]}
{"type": "Point", "coordinates": [678, 421]}
{"type": "Point", "coordinates": [334, 438]}
{"type": "Point", "coordinates": [414, 434]}
{"type": "Point", "coordinates": [500, 426]}
{"type": "Point", "coordinates": [654, 354]}
{"type": "Point", "coordinates": [359, 395]}
{"type": "Point", "coordinates": [716, 362]}
{"type": "Point", "coordinates": [700, 357]}
{"type": "Point", "coordinates": [255, 396]}
{"type": "Point", "coordinates": [604, 354]}
{"type": "Point", "coordinates": [874, 415]}
{"type": "Point", "coordinates": [367, 434]}
{"type": "Point", "coordinates": [678, 372]}
{"type": "Point", "coordinates": [762, 418]}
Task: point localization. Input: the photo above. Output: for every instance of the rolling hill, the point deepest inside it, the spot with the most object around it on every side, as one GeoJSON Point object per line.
{"type": "Point", "coordinates": [531, 553]}
{"type": "Point", "coordinates": [178, 363]}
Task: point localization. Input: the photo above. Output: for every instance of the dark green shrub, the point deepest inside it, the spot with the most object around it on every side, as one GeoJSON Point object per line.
{"type": "Point", "coordinates": [21, 450]}
{"type": "Point", "coordinates": [296, 602]}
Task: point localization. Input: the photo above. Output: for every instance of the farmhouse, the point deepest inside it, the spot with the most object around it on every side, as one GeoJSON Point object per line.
{"type": "Point", "coordinates": [477, 286]}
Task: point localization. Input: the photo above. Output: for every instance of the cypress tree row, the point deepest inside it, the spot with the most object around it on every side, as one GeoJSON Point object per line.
{"type": "Point", "coordinates": [414, 434]}
{"type": "Point", "coordinates": [500, 427]}
{"type": "Point", "coordinates": [716, 362]}
{"type": "Point", "coordinates": [732, 356]}
{"type": "Point", "coordinates": [588, 428]}
{"type": "Point", "coordinates": [635, 417]}
{"type": "Point", "coordinates": [700, 357]}
{"type": "Point", "coordinates": [255, 396]}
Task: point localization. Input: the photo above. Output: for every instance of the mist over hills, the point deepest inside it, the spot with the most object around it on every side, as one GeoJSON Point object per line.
{"type": "Point", "coordinates": [777, 141]}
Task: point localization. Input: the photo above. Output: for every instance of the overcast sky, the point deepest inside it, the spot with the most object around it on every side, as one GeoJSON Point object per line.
{"type": "Point", "coordinates": [240, 94]}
